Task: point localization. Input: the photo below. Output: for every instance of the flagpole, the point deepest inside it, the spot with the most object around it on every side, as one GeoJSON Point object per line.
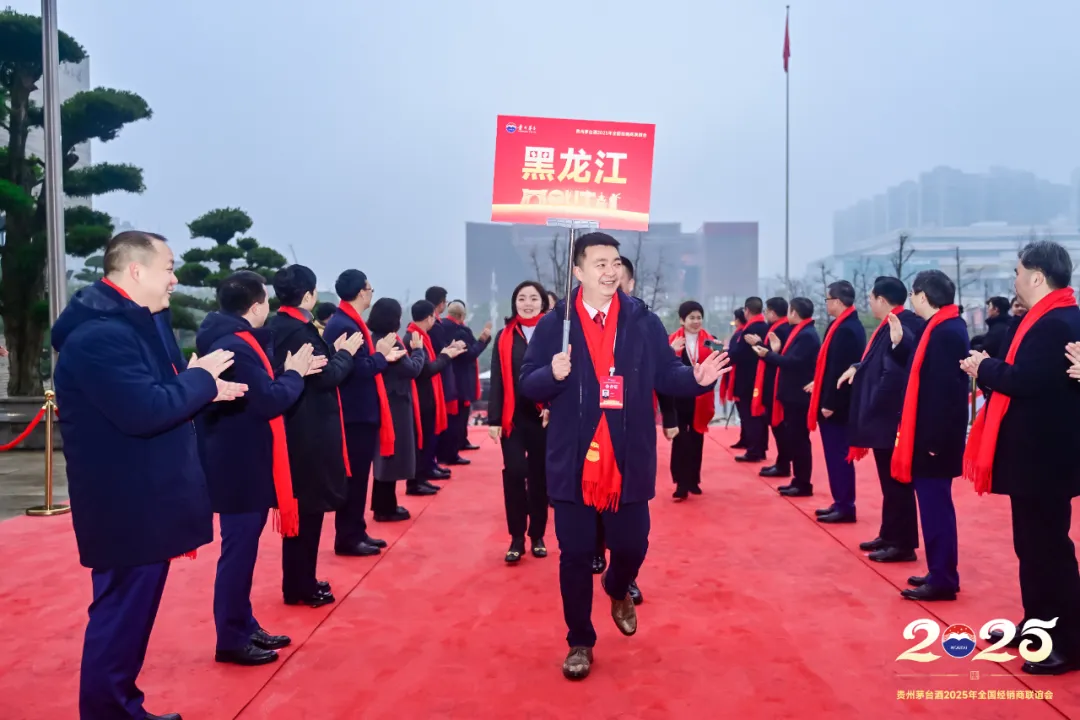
{"type": "Point", "coordinates": [787, 157]}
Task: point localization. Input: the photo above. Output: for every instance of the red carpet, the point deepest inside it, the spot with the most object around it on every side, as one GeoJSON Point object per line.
{"type": "Point", "coordinates": [751, 609]}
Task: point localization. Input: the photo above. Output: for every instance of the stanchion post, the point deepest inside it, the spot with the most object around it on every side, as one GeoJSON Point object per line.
{"type": "Point", "coordinates": [974, 393]}
{"type": "Point", "coordinates": [48, 509]}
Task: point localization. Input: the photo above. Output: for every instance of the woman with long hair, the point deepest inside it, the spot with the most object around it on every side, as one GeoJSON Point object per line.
{"type": "Point", "coordinates": [521, 425]}
{"type": "Point", "coordinates": [400, 434]}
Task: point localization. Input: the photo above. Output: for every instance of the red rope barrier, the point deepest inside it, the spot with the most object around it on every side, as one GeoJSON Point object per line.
{"type": "Point", "coordinates": [25, 433]}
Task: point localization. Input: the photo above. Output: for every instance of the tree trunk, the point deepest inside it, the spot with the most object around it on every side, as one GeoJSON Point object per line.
{"type": "Point", "coordinates": [23, 335]}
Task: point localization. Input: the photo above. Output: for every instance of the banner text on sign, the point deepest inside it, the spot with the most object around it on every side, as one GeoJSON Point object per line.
{"type": "Point", "coordinates": [549, 168]}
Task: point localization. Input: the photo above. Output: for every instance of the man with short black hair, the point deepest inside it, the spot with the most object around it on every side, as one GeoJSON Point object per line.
{"type": "Point", "coordinates": [794, 360]}
{"type": "Point", "coordinates": [138, 496]}
{"type": "Point", "coordinates": [878, 382]}
{"type": "Point", "coordinates": [606, 395]}
{"type": "Point", "coordinates": [361, 406]}
{"type": "Point", "coordinates": [776, 315]}
{"type": "Point", "coordinates": [441, 337]}
{"type": "Point", "coordinates": [246, 458]}
{"type": "Point", "coordinates": [466, 369]}
{"type": "Point", "coordinates": [1023, 444]}
{"type": "Point", "coordinates": [997, 327]}
{"type": "Point", "coordinates": [929, 446]}
{"type": "Point", "coordinates": [745, 362]}
{"type": "Point", "coordinates": [627, 282]}
{"type": "Point", "coordinates": [830, 402]}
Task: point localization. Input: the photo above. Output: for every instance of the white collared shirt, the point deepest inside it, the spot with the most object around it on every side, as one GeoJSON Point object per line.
{"type": "Point", "coordinates": [691, 345]}
{"type": "Point", "coordinates": [527, 332]}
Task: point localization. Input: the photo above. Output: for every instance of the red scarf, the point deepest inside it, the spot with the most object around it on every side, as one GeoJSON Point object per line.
{"type": "Point", "coordinates": [905, 435]}
{"type": "Point", "coordinates": [436, 380]}
{"type": "Point", "coordinates": [856, 453]}
{"type": "Point", "coordinates": [386, 422]}
{"type": "Point", "coordinates": [982, 442]}
{"type": "Point", "coordinates": [601, 481]}
{"type": "Point", "coordinates": [506, 361]}
{"type": "Point", "coordinates": [287, 515]}
{"type": "Point", "coordinates": [415, 409]}
{"type": "Point", "coordinates": [480, 391]}
{"type": "Point", "coordinates": [777, 406]}
{"type": "Point", "coordinates": [819, 369]}
{"type": "Point", "coordinates": [704, 407]}
{"type": "Point", "coordinates": [297, 314]}
{"type": "Point", "coordinates": [106, 281]}
{"type": "Point", "coordinates": [757, 403]}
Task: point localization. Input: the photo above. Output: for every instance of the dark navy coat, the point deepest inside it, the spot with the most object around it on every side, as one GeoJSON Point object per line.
{"type": "Point", "coordinates": [877, 391]}
{"type": "Point", "coordinates": [796, 368]}
{"type": "Point", "coordinates": [1036, 447]}
{"type": "Point", "coordinates": [138, 494]}
{"type": "Point", "coordinates": [237, 444]}
{"type": "Point", "coordinates": [769, 386]}
{"type": "Point", "coordinates": [359, 398]}
{"type": "Point", "coordinates": [845, 349]}
{"type": "Point", "coordinates": [442, 333]}
{"type": "Point", "coordinates": [647, 364]}
{"type": "Point", "coordinates": [465, 365]}
{"type": "Point", "coordinates": [745, 360]}
{"type": "Point", "coordinates": [942, 418]}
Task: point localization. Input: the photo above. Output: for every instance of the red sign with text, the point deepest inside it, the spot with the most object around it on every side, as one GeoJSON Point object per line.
{"type": "Point", "coordinates": [549, 169]}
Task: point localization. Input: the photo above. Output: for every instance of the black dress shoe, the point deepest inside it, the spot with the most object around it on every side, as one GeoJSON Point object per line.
{"type": "Point", "coordinates": [928, 593]}
{"type": "Point", "coordinates": [460, 461]}
{"type": "Point", "coordinates": [749, 458]}
{"type": "Point", "coordinates": [517, 549]}
{"type": "Point", "coordinates": [539, 548]}
{"type": "Point", "coordinates": [997, 635]}
{"type": "Point", "coordinates": [360, 549]}
{"type": "Point", "coordinates": [166, 716]}
{"type": "Point", "coordinates": [262, 639]}
{"type": "Point", "coordinates": [680, 494]}
{"type": "Point", "coordinates": [1055, 664]}
{"type": "Point", "coordinates": [825, 511]}
{"type": "Point", "coordinates": [470, 446]}
{"type": "Point", "coordinates": [870, 546]}
{"type": "Point", "coordinates": [694, 489]}
{"type": "Point", "coordinates": [250, 655]}
{"type": "Point", "coordinates": [322, 586]}
{"type": "Point", "coordinates": [635, 593]}
{"type": "Point", "coordinates": [316, 599]}
{"type": "Point", "coordinates": [893, 555]}
{"type": "Point", "coordinates": [599, 564]}
{"type": "Point", "coordinates": [443, 470]}
{"type": "Point", "coordinates": [418, 489]}
{"type": "Point", "coordinates": [375, 542]}
{"type": "Point", "coordinates": [438, 475]}
{"type": "Point", "coordinates": [739, 446]}
{"type": "Point", "coordinates": [399, 515]}
{"type": "Point", "coordinates": [836, 517]}
{"type": "Point", "coordinates": [427, 483]}
{"type": "Point", "coordinates": [774, 472]}
{"type": "Point", "coordinates": [792, 491]}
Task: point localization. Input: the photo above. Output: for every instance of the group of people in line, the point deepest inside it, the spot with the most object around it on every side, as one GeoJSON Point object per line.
{"type": "Point", "coordinates": [284, 416]}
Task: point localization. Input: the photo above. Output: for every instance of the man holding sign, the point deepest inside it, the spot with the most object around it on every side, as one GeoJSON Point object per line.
{"type": "Point", "coordinates": [601, 449]}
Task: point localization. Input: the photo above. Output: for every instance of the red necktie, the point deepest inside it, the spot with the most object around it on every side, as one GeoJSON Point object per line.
{"type": "Point", "coordinates": [598, 318]}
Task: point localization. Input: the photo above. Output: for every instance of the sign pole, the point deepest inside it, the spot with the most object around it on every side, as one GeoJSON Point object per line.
{"type": "Point", "coordinates": [572, 227]}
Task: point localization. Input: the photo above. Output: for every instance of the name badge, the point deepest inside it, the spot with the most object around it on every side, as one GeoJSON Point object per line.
{"type": "Point", "coordinates": [611, 392]}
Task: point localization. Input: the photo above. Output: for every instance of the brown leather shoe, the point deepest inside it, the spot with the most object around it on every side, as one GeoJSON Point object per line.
{"type": "Point", "coordinates": [622, 612]}
{"type": "Point", "coordinates": [577, 664]}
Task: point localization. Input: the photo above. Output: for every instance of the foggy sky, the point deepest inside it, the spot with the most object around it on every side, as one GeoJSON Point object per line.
{"type": "Point", "coordinates": [363, 134]}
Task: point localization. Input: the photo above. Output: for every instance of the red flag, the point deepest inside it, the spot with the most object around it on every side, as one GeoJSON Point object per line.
{"type": "Point", "coordinates": [787, 44]}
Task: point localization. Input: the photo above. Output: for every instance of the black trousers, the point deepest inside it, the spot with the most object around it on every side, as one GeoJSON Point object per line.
{"type": "Point", "coordinates": [783, 458]}
{"type": "Point", "coordinates": [384, 497]}
{"type": "Point", "coordinates": [899, 509]}
{"type": "Point", "coordinates": [1049, 578]}
{"type": "Point", "coordinates": [756, 431]}
{"type": "Point", "coordinates": [451, 441]}
{"type": "Point", "coordinates": [797, 441]}
{"type": "Point", "coordinates": [686, 451]}
{"type": "Point", "coordinates": [525, 481]}
{"type": "Point", "coordinates": [627, 533]}
{"type": "Point", "coordinates": [425, 456]}
{"type": "Point", "coordinates": [362, 441]}
{"type": "Point", "coordinates": [299, 557]}
{"type": "Point", "coordinates": [233, 617]}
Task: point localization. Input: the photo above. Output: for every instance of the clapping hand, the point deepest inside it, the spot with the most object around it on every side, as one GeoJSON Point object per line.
{"type": "Point", "coordinates": [678, 344]}
{"type": "Point", "coordinates": [896, 330]}
{"type": "Point", "coordinates": [753, 340]}
{"type": "Point", "coordinates": [305, 362]}
{"type": "Point", "coordinates": [486, 333]}
{"type": "Point", "coordinates": [215, 363]}
{"type": "Point", "coordinates": [389, 349]}
{"type": "Point", "coordinates": [453, 350]}
{"type": "Point", "coordinates": [711, 368]}
{"type": "Point", "coordinates": [761, 350]}
{"type": "Point", "coordinates": [417, 342]}
{"type": "Point", "coordinates": [971, 364]}
{"type": "Point", "coordinates": [1072, 354]}
{"type": "Point", "coordinates": [349, 343]}
{"type": "Point", "coordinates": [229, 390]}
{"type": "Point", "coordinates": [774, 342]}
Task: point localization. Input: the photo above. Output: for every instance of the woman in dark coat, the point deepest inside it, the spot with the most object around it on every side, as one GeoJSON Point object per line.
{"type": "Point", "coordinates": [314, 430]}
{"type": "Point", "coordinates": [399, 379]}
{"type": "Point", "coordinates": [519, 422]}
